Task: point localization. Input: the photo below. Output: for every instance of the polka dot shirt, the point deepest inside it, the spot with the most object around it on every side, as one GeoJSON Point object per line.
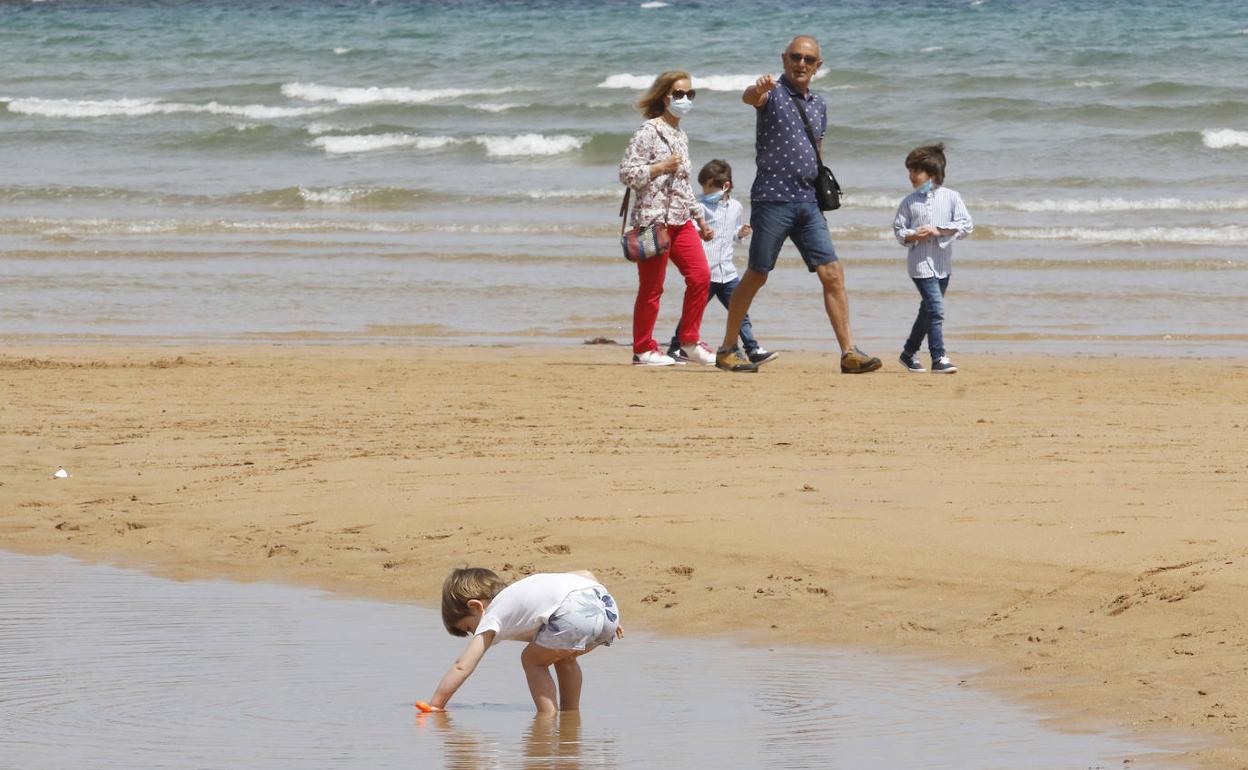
{"type": "Point", "coordinates": [787, 164]}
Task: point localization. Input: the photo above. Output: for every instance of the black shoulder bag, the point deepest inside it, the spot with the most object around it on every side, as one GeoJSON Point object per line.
{"type": "Point", "coordinates": [827, 189]}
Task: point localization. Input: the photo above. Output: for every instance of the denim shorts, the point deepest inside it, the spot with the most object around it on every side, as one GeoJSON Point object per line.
{"type": "Point", "coordinates": [584, 620]}
{"type": "Point", "coordinates": [802, 221]}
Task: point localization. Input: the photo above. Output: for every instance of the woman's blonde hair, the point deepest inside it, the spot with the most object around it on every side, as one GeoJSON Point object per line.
{"type": "Point", "coordinates": [464, 584]}
{"type": "Point", "coordinates": [652, 104]}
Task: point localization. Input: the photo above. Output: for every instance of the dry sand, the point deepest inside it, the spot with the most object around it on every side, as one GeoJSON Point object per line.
{"type": "Point", "coordinates": [1078, 526]}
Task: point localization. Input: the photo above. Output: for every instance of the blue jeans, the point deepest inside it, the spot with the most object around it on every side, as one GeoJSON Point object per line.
{"type": "Point", "coordinates": [802, 221]}
{"type": "Point", "coordinates": [930, 321]}
{"type": "Point", "coordinates": [724, 292]}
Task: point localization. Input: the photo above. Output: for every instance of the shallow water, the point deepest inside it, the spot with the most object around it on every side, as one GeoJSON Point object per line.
{"type": "Point", "coordinates": [108, 668]}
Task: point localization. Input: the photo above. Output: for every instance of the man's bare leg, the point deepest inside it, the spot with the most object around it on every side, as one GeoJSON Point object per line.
{"type": "Point", "coordinates": [835, 301]}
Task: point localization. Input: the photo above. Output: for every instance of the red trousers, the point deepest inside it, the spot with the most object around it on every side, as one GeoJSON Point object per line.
{"type": "Point", "coordinates": [686, 253]}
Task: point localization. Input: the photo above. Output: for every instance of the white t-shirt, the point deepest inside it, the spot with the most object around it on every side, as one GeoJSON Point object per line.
{"type": "Point", "coordinates": [523, 607]}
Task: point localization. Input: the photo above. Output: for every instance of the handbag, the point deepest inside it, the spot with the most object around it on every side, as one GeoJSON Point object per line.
{"type": "Point", "coordinates": [642, 243]}
{"type": "Point", "coordinates": [827, 189]}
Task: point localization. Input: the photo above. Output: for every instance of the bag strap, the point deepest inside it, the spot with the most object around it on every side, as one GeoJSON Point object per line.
{"type": "Point", "coordinates": [624, 208]}
{"type": "Point", "coordinates": [810, 132]}
{"type": "Point", "coordinates": [628, 190]}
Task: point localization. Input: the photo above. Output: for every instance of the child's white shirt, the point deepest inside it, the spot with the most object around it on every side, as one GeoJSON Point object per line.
{"type": "Point", "coordinates": [724, 217]}
{"type": "Point", "coordinates": [520, 610]}
{"type": "Point", "coordinates": [942, 207]}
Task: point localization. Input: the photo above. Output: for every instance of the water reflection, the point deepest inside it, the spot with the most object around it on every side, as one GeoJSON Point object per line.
{"type": "Point", "coordinates": [111, 669]}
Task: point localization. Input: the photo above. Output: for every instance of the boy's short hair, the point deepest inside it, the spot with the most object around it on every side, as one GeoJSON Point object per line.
{"type": "Point", "coordinates": [464, 584]}
{"type": "Point", "coordinates": [715, 171]}
{"type": "Point", "coordinates": [929, 158]}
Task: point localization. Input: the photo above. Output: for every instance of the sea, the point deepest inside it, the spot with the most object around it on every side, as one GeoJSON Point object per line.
{"type": "Point", "coordinates": [445, 173]}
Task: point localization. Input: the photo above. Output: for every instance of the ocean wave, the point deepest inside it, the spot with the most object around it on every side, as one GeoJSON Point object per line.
{"type": "Point", "coordinates": [105, 108]}
{"type": "Point", "coordinates": [932, 49]}
{"type": "Point", "coordinates": [654, 4]}
{"type": "Point", "coordinates": [529, 145]}
{"type": "Point", "coordinates": [1222, 138]}
{"type": "Point", "coordinates": [88, 227]}
{"type": "Point", "coordinates": [1226, 235]}
{"type": "Point", "coordinates": [342, 145]}
{"type": "Point", "coordinates": [603, 193]}
{"type": "Point", "coordinates": [495, 146]}
{"type": "Point", "coordinates": [498, 107]}
{"type": "Point", "coordinates": [627, 80]}
{"type": "Point", "coordinates": [1098, 205]}
{"type": "Point", "coordinates": [351, 96]}
{"type": "Point", "coordinates": [1092, 83]}
{"type": "Point", "coordinates": [341, 50]}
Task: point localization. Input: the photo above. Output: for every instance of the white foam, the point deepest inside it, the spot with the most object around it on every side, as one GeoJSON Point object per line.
{"type": "Point", "coordinates": [311, 92]}
{"type": "Point", "coordinates": [333, 195]}
{"type": "Point", "coordinates": [628, 80]}
{"type": "Point", "coordinates": [320, 128]}
{"type": "Point", "coordinates": [1217, 138]}
{"type": "Point", "coordinates": [655, 4]}
{"type": "Point", "coordinates": [529, 145]}
{"type": "Point", "coordinates": [342, 145]}
{"type": "Point", "coordinates": [1092, 83]}
{"type": "Point", "coordinates": [1228, 235]}
{"type": "Point", "coordinates": [497, 107]}
{"type": "Point", "coordinates": [342, 49]}
{"type": "Point", "coordinates": [1098, 205]}
{"type": "Point", "coordinates": [932, 49]}
{"type": "Point", "coordinates": [704, 82]}
{"type": "Point", "coordinates": [602, 192]}
{"type": "Point", "coordinates": [104, 108]}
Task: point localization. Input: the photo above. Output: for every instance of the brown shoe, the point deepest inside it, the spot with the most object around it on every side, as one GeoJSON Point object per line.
{"type": "Point", "coordinates": [734, 361]}
{"type": "Point", "coordinates": [856, 362]}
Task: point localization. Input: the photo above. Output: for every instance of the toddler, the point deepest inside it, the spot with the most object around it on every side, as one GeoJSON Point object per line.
{"type": "Point", "coordinates": [560, 615]}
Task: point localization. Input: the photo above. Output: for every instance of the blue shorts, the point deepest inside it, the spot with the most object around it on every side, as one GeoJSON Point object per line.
{"type": "Point", "coordinates": [802, 221]}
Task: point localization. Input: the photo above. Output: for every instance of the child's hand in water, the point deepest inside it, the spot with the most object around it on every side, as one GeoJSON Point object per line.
{"type": "Point", "coordinates": [425, 708]}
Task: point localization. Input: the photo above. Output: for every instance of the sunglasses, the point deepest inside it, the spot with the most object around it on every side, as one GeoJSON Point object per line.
{"type": "Point", "coordinates": [692, 93]}
{"type": "Point", "coordinates": [797, 58]}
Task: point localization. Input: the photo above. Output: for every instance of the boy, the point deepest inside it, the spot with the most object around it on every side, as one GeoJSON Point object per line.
{"type": "Point", "coordinates": [723, 216]}
{"type": "Point", "coordinates": [561, 615]}
{"type": "Point", "coordinates": [928, 221]}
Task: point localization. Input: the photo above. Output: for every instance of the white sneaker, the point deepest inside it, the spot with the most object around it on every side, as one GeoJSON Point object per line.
{"type": "Point", "coordinates": [652, 358]}
{"type": "Point", "coordinates": [699, 353]}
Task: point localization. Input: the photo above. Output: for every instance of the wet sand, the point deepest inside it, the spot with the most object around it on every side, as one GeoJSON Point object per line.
{"type": "Point", "coordinates": [1077, 525]}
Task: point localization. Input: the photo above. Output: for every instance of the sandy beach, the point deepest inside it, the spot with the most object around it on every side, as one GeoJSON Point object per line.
{"type": "Point", "coordinates": [1074, 525]}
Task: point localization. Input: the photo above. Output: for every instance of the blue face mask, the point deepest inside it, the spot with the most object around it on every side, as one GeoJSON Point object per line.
{"type": "Point", "coordinates": [711, 198]}
{"type": "Point", "coordinates": [925, 188]}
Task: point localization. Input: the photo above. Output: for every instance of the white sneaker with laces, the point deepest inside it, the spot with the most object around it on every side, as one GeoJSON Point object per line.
{"type": "Point", "coordinates": [699, 353]}
{"type": "Point", "coordinates": [652, 358]}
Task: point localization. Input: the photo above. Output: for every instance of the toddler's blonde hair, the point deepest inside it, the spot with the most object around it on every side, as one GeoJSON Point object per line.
{"type": "Point", "coordinates": [464, 584]}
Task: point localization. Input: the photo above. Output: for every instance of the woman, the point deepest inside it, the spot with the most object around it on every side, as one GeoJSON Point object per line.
{"type": "Point", "coordinates": [656, 166]}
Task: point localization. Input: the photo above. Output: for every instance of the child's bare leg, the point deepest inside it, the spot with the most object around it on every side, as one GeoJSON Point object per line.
{"type": "Point", "coordinates": [536, 662]}
{"type": "Point", "coordinates": [569, 673]}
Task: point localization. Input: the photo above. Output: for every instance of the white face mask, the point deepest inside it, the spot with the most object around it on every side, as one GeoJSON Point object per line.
{"type": "Point", "coordinates": [680, 107]}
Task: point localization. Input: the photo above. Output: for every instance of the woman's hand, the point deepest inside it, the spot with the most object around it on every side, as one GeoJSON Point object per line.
{"type": "Point", "coordinates": [668, 165]}
{"type": "Point", "coordinates": [707, 233]}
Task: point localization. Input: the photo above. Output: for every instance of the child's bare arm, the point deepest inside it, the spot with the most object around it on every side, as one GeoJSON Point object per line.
{"type": "Point", "coordinates": [462, 669]}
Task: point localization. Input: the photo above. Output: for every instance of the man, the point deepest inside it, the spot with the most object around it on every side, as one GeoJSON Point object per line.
{"type": "Point", "coordinates": [783, 203]}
